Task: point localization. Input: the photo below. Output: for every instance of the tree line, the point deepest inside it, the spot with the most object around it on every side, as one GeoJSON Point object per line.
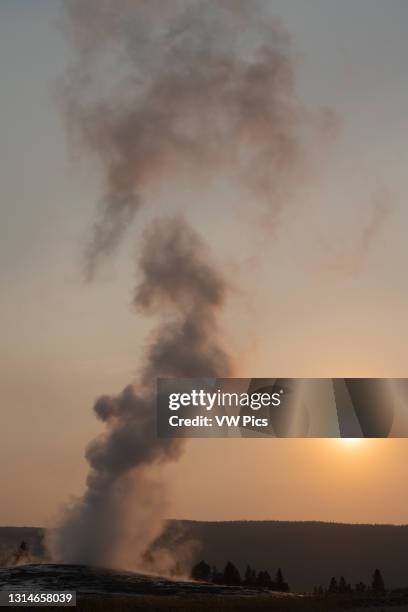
{"type": "Point", "coordinates": [342, 586]}
{"type": "Point", "coordinates": [20, 556]}
{"type": "Point", "coordinates": [230, 576]}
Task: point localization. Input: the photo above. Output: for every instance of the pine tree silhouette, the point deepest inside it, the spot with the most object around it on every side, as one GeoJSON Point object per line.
{"type": "Point", "coordinates": [231, 575]}
{"type": "Point", "coordinates": [21, 556]}
{"type": "Point", "coordinates": [280, 582]}
{"type": "Point", "coordinates": [342, 585]}
{"type": "Point", "coordinates": [263, 580]}
{"type": "Point", "coordinates": [201, 571]}
{"type": "Point", "coordinates": [333, 585]}
{"type": "Point", "coordinates": [378, 581]}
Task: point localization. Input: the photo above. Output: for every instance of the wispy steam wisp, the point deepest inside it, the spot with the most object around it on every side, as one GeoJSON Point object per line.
{"type": "Point", "coordinates": [197, 89]}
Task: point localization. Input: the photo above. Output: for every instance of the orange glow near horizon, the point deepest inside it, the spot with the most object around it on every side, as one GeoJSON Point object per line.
{"type": "Point", "coordinates": [351, 442]}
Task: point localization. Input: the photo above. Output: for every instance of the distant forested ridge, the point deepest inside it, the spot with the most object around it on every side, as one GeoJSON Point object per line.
{"type": "Point", "coordinates": [311, 553]}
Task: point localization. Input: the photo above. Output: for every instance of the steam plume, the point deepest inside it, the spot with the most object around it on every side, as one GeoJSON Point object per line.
{"type": "Point", "coordinates": [160, 91]}
{"type": "Point", "coordinates": [197, 88]}
{"type": "Point", "coordinates": [176, 279]}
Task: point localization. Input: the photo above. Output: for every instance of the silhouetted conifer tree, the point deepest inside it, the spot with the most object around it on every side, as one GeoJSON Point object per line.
{"type": "Point", "coordinates": [378, 581]}
{"type": "Point", "coordinates": [342, 585]}
{"type": "Point", "coordinates": [260, 579]}
{"type": "Point", "coordinates": [268, 580]}
{"type": "Point", "coordinates": [21, 555]}
{"type": "Point", "coordinates": [201, 571]}
{"type": "Point", "coordinates": [231, 575]}
{"type": "Point", "coordinates": [280, 582]}
{"type": "Point", "coordinates": [250, 577]}
{"type": "Point", "coordinates": [264, 581]}
{"type": "Point", "coordinates": [333, 585]}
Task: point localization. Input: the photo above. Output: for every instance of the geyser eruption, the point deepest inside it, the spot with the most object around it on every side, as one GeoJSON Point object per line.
{"type": "Point", "coordinates": [161, 92]}
{"type": "Point", "coordinates": [178, 283]}
{"type": "Point", "coordinates": [183, 89]}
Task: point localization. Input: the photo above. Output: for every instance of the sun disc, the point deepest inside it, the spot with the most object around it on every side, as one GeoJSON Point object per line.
{"type": "Point", "coordinates": [352, 442]}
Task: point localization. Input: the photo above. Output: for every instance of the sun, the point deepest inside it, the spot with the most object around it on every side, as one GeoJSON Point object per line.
{"type": "Point", "coordinates": [351, 442]}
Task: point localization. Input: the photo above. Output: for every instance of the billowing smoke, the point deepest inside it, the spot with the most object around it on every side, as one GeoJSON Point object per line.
{"type": "Point", "coordinates": [183, 90]}
{"type": "Point", "coordinates": [178, 281]}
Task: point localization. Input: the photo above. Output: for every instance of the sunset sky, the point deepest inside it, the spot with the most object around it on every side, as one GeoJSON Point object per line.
{"type": "Point", "coordinates": [324, 294]}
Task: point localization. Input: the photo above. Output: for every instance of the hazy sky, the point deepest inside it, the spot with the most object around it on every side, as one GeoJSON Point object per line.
{"type": "Point", "coordinates": [324, 296]}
